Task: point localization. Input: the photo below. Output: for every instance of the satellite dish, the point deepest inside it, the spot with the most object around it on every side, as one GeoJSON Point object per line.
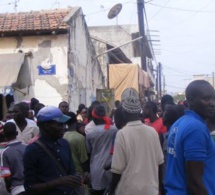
{"type": "Point", "coordinates": [114, 11]}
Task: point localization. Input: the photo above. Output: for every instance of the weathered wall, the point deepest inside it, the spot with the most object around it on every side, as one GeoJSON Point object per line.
{"type": "Point", "coordinates": [116, 35]}
{"type": "Point", "coordinates": [101, 48]}
{"type": "Point", "coordinates": [85, 74]}
{"type": "Point", "coordinates": [52, 49]}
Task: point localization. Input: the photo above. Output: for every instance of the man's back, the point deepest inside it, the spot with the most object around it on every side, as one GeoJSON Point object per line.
{"type": "Point", "coordinates": [189, 140]}
{"type": "Point", "coordinates": [12, 157]}
{"type": "Point", "coordinates": [137, 156]}
{"type": "Point", "coordinates": [99, 142]}
{"type": "Point", "coordinates": [78, 149]}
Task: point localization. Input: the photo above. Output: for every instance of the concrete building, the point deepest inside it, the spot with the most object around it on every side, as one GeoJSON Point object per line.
{"type": "Point", "coordinates": [118, 35]}
{"type": "Point", "coordinates": [48, 55]}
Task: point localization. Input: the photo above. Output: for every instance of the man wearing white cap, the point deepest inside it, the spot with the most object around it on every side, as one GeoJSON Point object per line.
{"type": "Point", "coordinates": [49, 169]}
{"type": "Point", "coordinates": [137, 156]}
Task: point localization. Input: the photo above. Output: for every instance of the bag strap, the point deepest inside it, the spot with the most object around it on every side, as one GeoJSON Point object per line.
{"type": "Point", "coordinates": [49, 152]}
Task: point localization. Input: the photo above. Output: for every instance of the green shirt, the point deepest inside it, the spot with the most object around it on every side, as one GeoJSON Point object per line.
{"type": "Point", "coordinates": [78, 149]}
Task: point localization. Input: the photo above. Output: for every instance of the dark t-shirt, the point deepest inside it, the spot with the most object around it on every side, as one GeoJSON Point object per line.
{"type": "Point", "coordinates": [40, 168]}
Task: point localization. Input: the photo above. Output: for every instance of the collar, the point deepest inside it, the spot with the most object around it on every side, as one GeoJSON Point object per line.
{"type": "Point", "coordinates": [13, 142]}
{"type": "Point", "coordinates": [49, 141]}
{"type": "Point", "coordinates": [195, 115]}
{"type": "Point", "coordinates": [133, 123]}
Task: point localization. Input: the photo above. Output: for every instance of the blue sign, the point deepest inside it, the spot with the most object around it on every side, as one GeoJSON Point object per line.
{"type": "Point", "coordinates": [50, 71]}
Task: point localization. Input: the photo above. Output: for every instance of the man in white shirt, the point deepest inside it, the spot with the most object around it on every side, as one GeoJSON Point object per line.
{"type": "Point", "coordinates": [26, 128]}
{"type": "Point", "coordinates": [137, 156]}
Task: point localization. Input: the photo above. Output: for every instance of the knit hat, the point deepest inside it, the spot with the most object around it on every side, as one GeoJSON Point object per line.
{"type": "Point", "coordinates": [131, 101]}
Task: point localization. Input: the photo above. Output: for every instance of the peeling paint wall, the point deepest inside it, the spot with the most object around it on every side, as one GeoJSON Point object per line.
{"type": "Point", "coordinates": [85, 74]}
{"type": "Point", "coordinates": [103, 59]}
{"type": "Point", "coordinates": [52, 49]}
{"type": "Point", "coordinates": [78, 72]}
{"type": "Point", "coordinates": [116, 35]}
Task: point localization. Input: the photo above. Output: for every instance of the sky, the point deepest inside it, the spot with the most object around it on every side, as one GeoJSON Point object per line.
{"type": "Point", "coordinates": [185, 29]}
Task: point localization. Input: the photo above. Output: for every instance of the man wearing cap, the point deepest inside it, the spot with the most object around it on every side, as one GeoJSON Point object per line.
{"type": "Point", "coordinates": [137, 156]}
{"type": "Point", "coordinates": [42, 174]}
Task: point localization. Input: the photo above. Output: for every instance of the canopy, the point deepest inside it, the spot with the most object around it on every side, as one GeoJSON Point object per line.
{"type": "Point", "coordinates": [10, 70]}
{"type": "Point", "coordinates": [122, 76]}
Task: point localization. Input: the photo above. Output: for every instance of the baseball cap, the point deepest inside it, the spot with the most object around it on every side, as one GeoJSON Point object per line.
{"type": "Point", "coordinates": [131, 101]}
{"type": "Point", "coordinates": [49, 113]}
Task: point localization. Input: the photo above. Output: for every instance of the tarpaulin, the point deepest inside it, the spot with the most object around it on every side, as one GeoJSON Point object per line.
{"type": "Point", "coordinates": [122, 76]}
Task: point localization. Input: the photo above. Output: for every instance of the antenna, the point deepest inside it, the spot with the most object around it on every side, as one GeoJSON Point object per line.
{"type": "Point", "coordinates": [16, 5]}
{"type": "Point", "coordinates": [114, 11]}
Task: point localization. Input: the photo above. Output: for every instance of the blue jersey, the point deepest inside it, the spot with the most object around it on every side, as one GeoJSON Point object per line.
{"type": "Point", "coordinates": [189, 140]}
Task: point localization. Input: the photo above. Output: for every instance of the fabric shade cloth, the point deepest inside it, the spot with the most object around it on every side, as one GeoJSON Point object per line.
{"type": "Point", "coordinates": [122, 76]}
{"type": "Point", "coordinates": [10, 65]}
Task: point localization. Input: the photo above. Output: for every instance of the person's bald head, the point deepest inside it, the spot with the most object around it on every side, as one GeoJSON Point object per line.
{"type": "Point", "coordinates": [200, 96]}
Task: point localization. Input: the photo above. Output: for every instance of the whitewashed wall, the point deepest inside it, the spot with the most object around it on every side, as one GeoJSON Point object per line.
{"type": "Point", "coordinates": [85, 74]}
{"type": "Point", "coordinates": [52, 49]}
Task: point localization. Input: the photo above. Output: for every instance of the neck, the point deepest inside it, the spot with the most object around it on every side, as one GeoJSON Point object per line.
{"type": "Point", "coordinates": [132, 117]}
{"type": "Point", "coordinates": [21, 121]}
{"type": "Point", "coordinates": [153, 117]}
{"type": "Point", "coordinates": [10, 139]}
{"type": "Point", "coordinates": [72, 127]}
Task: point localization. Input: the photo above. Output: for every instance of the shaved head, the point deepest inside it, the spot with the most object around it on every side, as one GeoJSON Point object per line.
{"type": "Point", "coordinates": [195, 87]}
{"type": "Point", "coordinates": [201, 98]}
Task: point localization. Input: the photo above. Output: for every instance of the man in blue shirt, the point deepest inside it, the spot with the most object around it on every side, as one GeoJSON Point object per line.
{"type": "Point", "coordinates": [42, 175]}
{"type": "Point", "coordinates": [190, 150]}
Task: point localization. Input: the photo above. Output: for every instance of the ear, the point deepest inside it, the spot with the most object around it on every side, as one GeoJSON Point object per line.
{"type": "Point", "coordinates": [190, 100]}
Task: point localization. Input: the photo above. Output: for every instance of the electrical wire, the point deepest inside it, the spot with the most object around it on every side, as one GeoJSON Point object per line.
{"type": "Point", "coordinates": [179, 70]}
{"type": "Point", "coordinates": [6, 4]}
{"type": "Point", "coordinates": [180, 9]}
{"type": "Point", "coordinates": [107, 8]}
{"type": "Point", "coordinates": [177, 87]}
{"type": "Point", "coordinates": [181, 22]}
{"type": "Point", "coordinates": [159, 9]}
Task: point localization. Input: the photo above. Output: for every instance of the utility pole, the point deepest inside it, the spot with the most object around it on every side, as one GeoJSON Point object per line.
{"type": "Point", "coordinates": [164, 84]}
{"type": "Point", "coordinates": [159, 80]}
{"type": "Point", "coordinates": [213, 78]}
{"type": "Point", "coordinates": [16, 5]}
{"type": "Point", "coordinates": [157, 83]}
{"type": "Point", "coordinates": [140, 9]}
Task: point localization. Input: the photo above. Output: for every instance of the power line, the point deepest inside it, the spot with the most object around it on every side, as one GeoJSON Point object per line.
{"type": "Point", "coordinates": [107, 9]}
{"type": "Point", "coordinates": [175, 86]}
{"type": "Point", "coordinates": [160, 9]}
{"type": "Point", "coordinates": [180, 9]}
{"type": "Point", "coordinates": [6, 4]}
{"type": "Point", "coordinates": [191, 15]}
{"type": "Point", "coordinates": [179, 70]}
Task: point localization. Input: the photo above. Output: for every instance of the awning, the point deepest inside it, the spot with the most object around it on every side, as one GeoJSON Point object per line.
{"type": "Point", "coordinates": [10, 70]}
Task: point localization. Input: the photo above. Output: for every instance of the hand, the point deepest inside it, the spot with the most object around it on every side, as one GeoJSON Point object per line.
{"type": "Point", "coordinates": [71, 181]}
{"type": "Point", "coordinates": [86, 178]}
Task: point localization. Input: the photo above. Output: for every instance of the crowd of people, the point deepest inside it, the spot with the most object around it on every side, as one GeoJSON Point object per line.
{"type": "Point", "coordinates": [137, 150]}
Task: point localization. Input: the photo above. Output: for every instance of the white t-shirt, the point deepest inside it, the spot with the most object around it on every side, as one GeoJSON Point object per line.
{"type": "Point", "coordinates": [89, 127]}
{"type": "Point", "coordinates": [30, 131]}
{"type": "Point", "coordinates": [137, 156]}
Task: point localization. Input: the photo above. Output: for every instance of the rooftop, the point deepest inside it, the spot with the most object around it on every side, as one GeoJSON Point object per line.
{"type": "Point", "coordinates": [34, 21]}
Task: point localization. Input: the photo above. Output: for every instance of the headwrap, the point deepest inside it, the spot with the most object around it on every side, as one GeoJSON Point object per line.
{"type": "Point", "coordinates": [107, 120]}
